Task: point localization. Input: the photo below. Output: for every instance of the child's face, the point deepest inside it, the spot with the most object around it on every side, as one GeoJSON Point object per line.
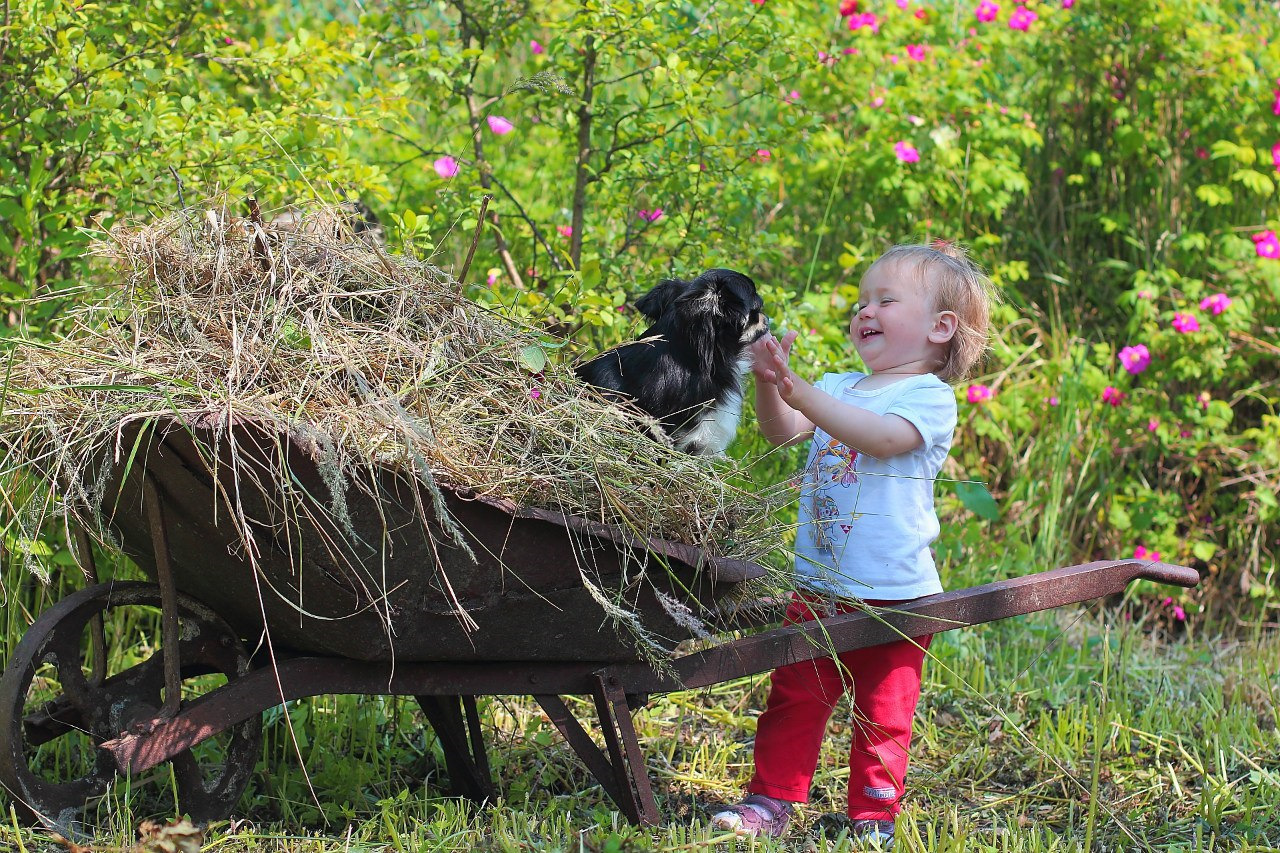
{"type": "Point", "coordinates": [895, 326]}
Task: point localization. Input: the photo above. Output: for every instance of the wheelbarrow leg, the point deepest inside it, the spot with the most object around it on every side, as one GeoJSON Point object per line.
{"type": "Point", "coordinates": [614, 707]}
{"type": "Point", "coordinates": [622, 772]}
{"type": "Point", "coordinates": [463, 743]}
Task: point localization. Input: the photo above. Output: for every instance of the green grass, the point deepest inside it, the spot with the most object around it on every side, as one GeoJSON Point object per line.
{"type": "Point", "coordinates": [1078, 729]}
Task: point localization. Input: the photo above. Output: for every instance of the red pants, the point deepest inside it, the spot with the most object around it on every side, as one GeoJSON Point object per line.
{"type": "Point", "coordinates": [802, 697]}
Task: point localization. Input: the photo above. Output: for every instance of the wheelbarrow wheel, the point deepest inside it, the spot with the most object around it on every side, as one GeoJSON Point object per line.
{"type": "Point", "coordinates": [57, 707]}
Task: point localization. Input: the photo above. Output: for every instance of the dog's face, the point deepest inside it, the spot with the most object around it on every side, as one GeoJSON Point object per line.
{"type": "Point", "coordinates": [720, 302]}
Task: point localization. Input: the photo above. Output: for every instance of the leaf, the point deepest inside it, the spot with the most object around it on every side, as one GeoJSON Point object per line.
{"type": "Point", "coordinates": [978, 500]}
{"type": "Point", "coordinates": [533, 357]}
{"type": "Point", "coordinates": [1204, 550]}
{"type": "Point", "coordinates": [1213, 195]}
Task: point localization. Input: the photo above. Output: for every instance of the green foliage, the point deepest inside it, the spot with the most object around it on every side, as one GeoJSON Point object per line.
{"type": "Point", "coordinates": [1109, 165]}
{"type": "Point", "coordinates": [111, 109]}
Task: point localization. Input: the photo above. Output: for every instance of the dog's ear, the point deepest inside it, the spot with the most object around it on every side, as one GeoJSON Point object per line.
{"type": "Point", "coordinates": [656, 302]}
{"type": "Point", "coordinates": [728, 282]}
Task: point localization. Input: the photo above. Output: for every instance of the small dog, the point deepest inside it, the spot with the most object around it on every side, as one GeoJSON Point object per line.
{"type": "Point", "coordinates": [686, 370]}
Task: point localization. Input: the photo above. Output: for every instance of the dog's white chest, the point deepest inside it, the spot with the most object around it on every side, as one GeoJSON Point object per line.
{"type": "Point", "coordinates": [715, 429]}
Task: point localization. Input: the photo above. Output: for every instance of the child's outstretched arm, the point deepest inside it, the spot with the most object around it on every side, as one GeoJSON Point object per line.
{"type": "Point", "coordinates": [780, 424]}
{"type": "Point", "coordinates": [880, 436]}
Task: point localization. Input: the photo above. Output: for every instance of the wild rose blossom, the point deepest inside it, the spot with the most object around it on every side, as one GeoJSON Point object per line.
{"type": "Point", "coordinates": [1152, 425]}
{"type": "Point", "coordinates": [1275, 108]}
{"type": "Point", "coordinates": [865, 19]}
{"type": "Point", "coordinates": [848, 7]}
{"type": "Point", "coordinates": [1112, 396]}
{"type": "Point", "coordinates": [1217, 303]}
{"type": "Point", "coordinates": [1275, 156]}
{"type": "Point", "coordinates": [1185, 322]}
{"type": "Point", "coordinates": [1266, 244]}
{"type": "Point", "coordinates": [906, 152]}
{"type": "Point", "coordinates": [1067, 4]}
{"type": "Point", "coordinates": [916, 52]}
{"type": "Point", "coordinates": [500, 125]}
{"type": "Point", "coordinates": [1143, 553]}
{"type": "Point", "coordinates": [987, 11]}
{"type": "Point", "coordinates": [650, 215]}
{"type": "Point", "coordinates": [446, 167]}
{"type": "Point", "coordinates": [1022, 18]}
{"type": "Point", "coordinates": [762, 155]}
{"type": "Point", "coordinates": [536, 47]}
{"type": "Point", "coordinates": [1052, 401]}
{"type": "Point", "coordinates": [980, 393]}
{"type": "Point", "coordinates": [565, 230]}
{"type": "Point", "coordinates": [1135, 358]}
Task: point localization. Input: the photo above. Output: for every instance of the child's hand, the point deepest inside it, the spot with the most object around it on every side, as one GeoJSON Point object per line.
{"type": "Point", "coordinates": [762, 356]}
{"type": "Point", "coordinates": [790, 387]}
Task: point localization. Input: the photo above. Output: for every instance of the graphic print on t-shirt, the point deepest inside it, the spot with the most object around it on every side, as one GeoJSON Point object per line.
{"type": "Point", "coordinates": [834, 466]}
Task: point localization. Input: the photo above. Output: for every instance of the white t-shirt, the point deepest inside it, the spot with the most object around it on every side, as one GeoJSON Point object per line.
{"type": "Point", "coordinates": [866, 524]}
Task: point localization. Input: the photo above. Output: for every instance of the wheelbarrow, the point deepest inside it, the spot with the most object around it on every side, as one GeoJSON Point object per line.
{"type": "Point", "coordinates": [332, 614]}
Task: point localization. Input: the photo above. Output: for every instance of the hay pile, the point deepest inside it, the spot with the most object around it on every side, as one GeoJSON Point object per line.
{"type": "Point", "coordinates": [366, 357]}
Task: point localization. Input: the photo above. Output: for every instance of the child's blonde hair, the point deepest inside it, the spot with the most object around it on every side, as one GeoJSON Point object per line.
{"type": "Point", "coordinates": [959, 285]}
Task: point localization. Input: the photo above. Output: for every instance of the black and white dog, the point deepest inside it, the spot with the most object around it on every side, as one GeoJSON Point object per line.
{"type": "Point", "coordinates": [686, 370]}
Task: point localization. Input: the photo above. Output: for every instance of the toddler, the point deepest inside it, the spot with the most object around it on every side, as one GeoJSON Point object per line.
{"type": "Point", "coordinates": [866, 521]}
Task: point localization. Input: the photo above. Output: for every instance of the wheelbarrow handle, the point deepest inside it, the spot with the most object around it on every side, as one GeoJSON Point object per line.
{"type": "Point", "coordinates": [1170, 574]}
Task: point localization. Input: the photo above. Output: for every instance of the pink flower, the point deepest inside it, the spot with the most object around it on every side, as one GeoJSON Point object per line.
{"type": "Point", "coordinates": [987, 11]}
{"type": "Point", "coordinates": [228, 40]}
{"type": "Point", "coordinates": [446, 167]}
{"type": "Point", "coordinates": [1275, 155]}
{"type": "Point", "coordinates": [1179, 613]}
{"type": "Point", "coordinates": [792, 96]}
{"type": "Point", "coordinates": [1022, 18]}
{"type": "Point", "coordinates": [1275, 108]}
{"type": "Point", "coordinates": [1152, 425]}
{"type": "Point", "coordinates": [1052, 401]}
{"type": "Point", "coordinates": [565, 230]}
{"type": "Point", "coordinates": [493, 276]}
{"type": "Point", "coordinates": [1203, 399]}
{"type": "Point", "coordinates": [916, 52]}
{"type": "Point", "coordinates": [758, 2]}
{"type": "Point", "coordinates": [536, 47]}
{"type": "Point", "coordinates": [903, 4]}
{"type": "Point", "coordinates": [1145, 294]}
{"type": "Point", "coordinates": [650, 215]}
{"type": "Point", "coordinates": [848, 7]}
{"type": "Point", "coordinates": [762, 155]}
{"type": "Point", "coordinates": [877, 101]}
{"type": "Point", "coordinates": [1067, 4]}
{"type": "Point", "coordinates": [980, 393]}
{"type": "Point", "coordinates": [534, 393]}
{"type": "Point", "coordinates": [1217, 303]}
{"type": "Point", "coordinates": [906, 152]}
{"type": "Point", "coordinates": [921, 14]}
{"type": "Point", "coordinates": [1267, 245]}
{"type": "Point", "coordinates": [1142, 553]}
{"type": "Point", "coordinates": [500, 125]}
{"type": "Point", "coordinates": [893, 59]}
{"type": "Point", "coordinates": [1112, 395]}
{"type": "Point", "coordinates": [1202, 153]}
{"type": "Point", "coordinates": [1135, 358]}
{"type": "Point", "coordinates": [1185, 322]}
{"type": "Point", "coordinates": [867, 19]}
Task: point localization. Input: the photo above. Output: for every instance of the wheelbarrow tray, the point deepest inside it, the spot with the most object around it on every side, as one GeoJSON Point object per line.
{"type": "Point", "coordinates": [398, 589]}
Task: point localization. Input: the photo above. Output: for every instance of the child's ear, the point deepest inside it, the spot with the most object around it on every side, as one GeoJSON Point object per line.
{"type": "Point", "coordinates": [945, 324]}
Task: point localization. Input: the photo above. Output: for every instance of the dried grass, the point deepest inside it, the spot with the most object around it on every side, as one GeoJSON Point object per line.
{"type": "Point", "coordinates": [362, 356]}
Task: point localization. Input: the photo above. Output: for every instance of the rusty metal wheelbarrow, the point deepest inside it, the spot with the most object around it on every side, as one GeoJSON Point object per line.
{"type": "Point", "coordinates": [339, 618]}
